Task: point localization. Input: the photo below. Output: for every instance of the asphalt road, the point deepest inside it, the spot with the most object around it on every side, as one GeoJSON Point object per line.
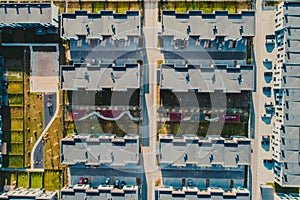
{"type": "Point", "coordinates": [49, 98]}
{"type": "Point", "coordinates": [48, 114]}
{"type": "Point", "coordinates": [39, 156]}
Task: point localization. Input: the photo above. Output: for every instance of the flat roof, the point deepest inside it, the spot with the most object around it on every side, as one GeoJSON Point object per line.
{"type": "Point", "coordinates": [181, 77]}
{"type": "Point", "coordinates": [105, 149]}
{"type": "Point", "coordinates": [119, 75]}
{"type": "Point", "coordinates": [287, 170]}
{"type": "Point", "coordinates": [180, 151]}
{"type": "Point", "coordinates": [219, 23]}
{"type": "Point", "coordinates": [37, 194]}
{"type": "Point", "coordinates": [291, 9]}
{"type": "Point", "coordinates": [17, 15]}
{"type": "Point", "coordinates": [193, 193]}
{"type": "Point", "coordinates": [102, 192]}
{"type": "Point", "coordinates": [97, 25]}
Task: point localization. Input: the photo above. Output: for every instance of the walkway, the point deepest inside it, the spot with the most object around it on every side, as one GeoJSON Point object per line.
{"type": "Point", "coordinates": [260, 174]}
{"type": "Point", "coordinates": [151, 28]}
{"type": "Point", "coordinates": [37, 153]}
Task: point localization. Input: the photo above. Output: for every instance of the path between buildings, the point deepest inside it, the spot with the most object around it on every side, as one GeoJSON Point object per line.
{"type": "Point", "coordinates": [151, 28]}
{"type": "Point", "coordinates": [36, 148]}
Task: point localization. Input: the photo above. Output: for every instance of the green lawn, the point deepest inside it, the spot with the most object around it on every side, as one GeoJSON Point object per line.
{"type": "Point", "coordinates": [201, 129]}
{"type": "Point", "coordinates": [15, 87]}
{"type": "Point", "coordinates": [16, 149]}
{"type": "Point", "coordinates": [181, 7]}
{"type": "Point", "coordinates": [97, 6]}
{"type": "Point", "coordinates": [70, 128]}
{"type": "Point", "coordinates": [279, 189]}
{"type": "Point", "coordinates": [16, 161]}
{"type": "Point", "coordinates": [23, 179]}
{"type": "Point", "coordinates": [15, 99]}
{"type": "Point", "coordinates": [52, 180]}
{"type": "Point", "coordinates": [17, 124]}
{"type": "Point", "coordinates": [16, 136]}
{"type": "Point", "coordinates": [16, 112]}
{"type": "Point", "coordinates": [122, 7]}
{"type": "Point", "coordinates": [36, 180]}
{"type": "Point", "coordinates": [15, 75]}
{"type": "Point", "coordinates": [206, 6]}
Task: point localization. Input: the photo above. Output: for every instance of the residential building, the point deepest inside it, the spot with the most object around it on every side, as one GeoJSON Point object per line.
{"type": "Point", "coordinates": [107, 150]}
{"type": "Point", "coordinates": [190, 150]}
{"type": "Point", "coordinates": [29, 194]}
{"type": "Point", "coordinates": [120, 75]}
{"type": "Point", "coordinates": [104, 49]}
{"type": "Point", "coordinates": [207, 52]}
{"type": "Point", "coordinates": [192, 193]}
{"type": "Point", "coordinates": [102, 192]}
{"type": "Point", "coordinates": [211, 162]}
{"type": "Point", "coordinates": [286, 132]}
{"type": "Point", "coordinates": [37, 19]}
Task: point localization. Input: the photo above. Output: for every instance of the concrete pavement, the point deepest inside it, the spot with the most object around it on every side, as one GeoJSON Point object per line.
{"type": "Point", "coordinates": [260, 174]}
{"type": "Point", "coordinates": [153, 54]}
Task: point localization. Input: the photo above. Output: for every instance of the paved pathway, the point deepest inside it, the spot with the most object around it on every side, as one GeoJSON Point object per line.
{"type": "Point", "coordinates": [260, 174]}
{"type": "Point", "coordinates": [37, 153]}
{"type": "Point", "coordinates": [151, 28]}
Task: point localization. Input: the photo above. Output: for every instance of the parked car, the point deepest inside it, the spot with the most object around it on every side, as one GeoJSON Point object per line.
{"type": "Point", "coordinates": [107, 180]}
{"type": "Point", "coordinates": [190, 182]}
{"type": "Point", "coordinates": [85, 181]}
{"type": "Point", "coordinates": [123, 183]}
{"type": "Point", "coordinates": [80, 181]}
{"type": "Point", "coordinates": [117, 183]}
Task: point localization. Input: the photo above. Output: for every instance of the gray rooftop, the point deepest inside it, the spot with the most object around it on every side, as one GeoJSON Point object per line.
{"type": "Point", "coordinates": [14, 15]}
{"type": "Point", "coordinates": [103, 192]}
{"type": "Point", "coordinates": [97, 25]}
{"type": "Point", "coordinates": [203, 152]}
{"type": "Point", "coordinates": [267, 192]}
{"type": "Point", "coordinates": [292, 115]}
{"type": "Point", "coordinates": [291, 12]}
{"type": "Point", "coordinates": [231, 49]}
{"type": "Point", "coordinates": [29, 194]}
{"type": "Point", "coordinates": [290, 144]}
{"type": "Point", "coordinates": [120, 75]}
{"type": "Point", "coordinates": [287, 168]}
{"type": "Point", "coordinates": [191, 193]}
{"type": "Point", "coordinates": [180, 76]}
{"type": "Point", "coordinates": [208, 26]}
{"type": "Point", "coordinates": [105, 149]}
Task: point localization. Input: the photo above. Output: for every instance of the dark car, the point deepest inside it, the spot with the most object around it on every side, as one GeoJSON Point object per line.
{"type": "Point", "coordinates": [117, 183]}
{"type": "Point", "coordinates": [190, 182]}
{"type": "Point", "coordinates": [50, 106]}
{"type": "Point", "coordinates": [107, 180]}
{"type": "Point", "coordinates": [85, 180]}
{"type": "Point", "coordinates": [80, 181]}
{"type": "Point", "coordinates": [122, 184]}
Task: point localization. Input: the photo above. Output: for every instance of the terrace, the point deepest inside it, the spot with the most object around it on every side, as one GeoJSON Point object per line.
{"type": "Point", "coordinates": [102, 192]}
{"type": "Point", "coordinates": [121, 75]}
{"type": "Point", "coordinates": [165, 193]}
{"type": "Point", "coordinates": [188, 149]}
{"type": "Point", "coordinates": [106, 149]}
{"type": "Point", "coordinates": [182, 78]}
